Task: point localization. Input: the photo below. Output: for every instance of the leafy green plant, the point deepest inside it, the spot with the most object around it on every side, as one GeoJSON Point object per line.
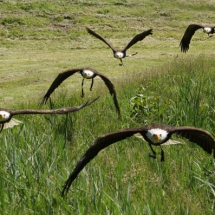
{"type": "Point", "coordinates": [189, 99]}
{"type": "Point", "coordinates": [147, 107]}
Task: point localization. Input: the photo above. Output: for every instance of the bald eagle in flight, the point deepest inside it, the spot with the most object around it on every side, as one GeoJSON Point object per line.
{"type": "Point", "coordinates": [190, 31]}
{"type": "Point", "coordinates": [6, 114]}
{"type": "Point", "coordinates": [154, 134]}
{"type": "Point", "coordinates": [86, 73]}
{"type": "Point", "coordinates": [121, 53]}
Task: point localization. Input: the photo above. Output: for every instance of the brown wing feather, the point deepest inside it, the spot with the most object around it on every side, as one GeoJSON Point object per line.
{"type": "Point", "coordinates": [54, 111]}
{"type": "Point", "coordinates": [111, 88]}
{"type": "Point", "coordinates": [99, 144]}
{"type": "Point", "coordinates": [93, 33]}
{"type": "Point", "coordinates": [58, 80]}
{"type": "Point", "coordinates": [189, 32]}
{"type": "Point", "coordinates": [138, 38]}
{"type": "Point", "coordinates": [201, 137]}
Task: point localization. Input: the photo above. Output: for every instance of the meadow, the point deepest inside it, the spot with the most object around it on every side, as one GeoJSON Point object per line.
{"type": "Point", "coordinates": [40, 39]}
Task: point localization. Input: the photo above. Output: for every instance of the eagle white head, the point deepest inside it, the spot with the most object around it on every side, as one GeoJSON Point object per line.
{"type": "Point", "coordinates": [118, 55]}
{"type": "Point", "coordinates": [4, 116]}
{"type": "Point", "coordinates": [207, 30]}
{"type": "Point", "coordinates": [87, 74]}
{"type": "Point", "coordinates": [156, 135]}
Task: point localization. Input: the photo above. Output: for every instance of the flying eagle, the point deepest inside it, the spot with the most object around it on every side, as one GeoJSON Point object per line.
{"type": "Point", "coordinates": [119, 54]}
{"type": "Point", "coordinates": [190, 31]}
{"type": "Point", "coordinates": [87, 73]}
{"type": "Point", "coordinates": [154, 134]}
{"type": "Point", "coordinates": [6, 115]}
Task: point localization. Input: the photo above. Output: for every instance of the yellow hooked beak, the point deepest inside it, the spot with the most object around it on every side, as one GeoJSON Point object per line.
{"type": "Point", "coordinates": [86, 75]}
{"type": "Point", "coordinates": [206, 31]}
{"type": "Point", "coordinates": [2, 116]}
{"type": "Point", "coordinates": [157, 137]}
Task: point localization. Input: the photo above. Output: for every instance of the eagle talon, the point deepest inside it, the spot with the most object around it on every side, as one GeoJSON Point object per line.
{"type": "Point", "coordinates": [152, 156]}
{"type": "Point", "coordinates": [2, 126]}
{"type": "Point", "coordinates": [162, 155]}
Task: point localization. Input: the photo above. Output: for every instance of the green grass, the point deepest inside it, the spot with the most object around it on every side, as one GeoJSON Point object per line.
{"type": "Point", "coordinates": [38, 156]}
{"type": "Point", "coordinates": [39, 39]}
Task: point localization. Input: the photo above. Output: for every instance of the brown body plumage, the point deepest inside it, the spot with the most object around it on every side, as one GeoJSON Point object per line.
{"type": "Point", "coordinates": [153, 134]}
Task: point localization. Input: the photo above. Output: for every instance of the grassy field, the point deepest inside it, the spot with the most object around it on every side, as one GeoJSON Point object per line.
{"type": "Point", "coordinates": [160, 84]}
